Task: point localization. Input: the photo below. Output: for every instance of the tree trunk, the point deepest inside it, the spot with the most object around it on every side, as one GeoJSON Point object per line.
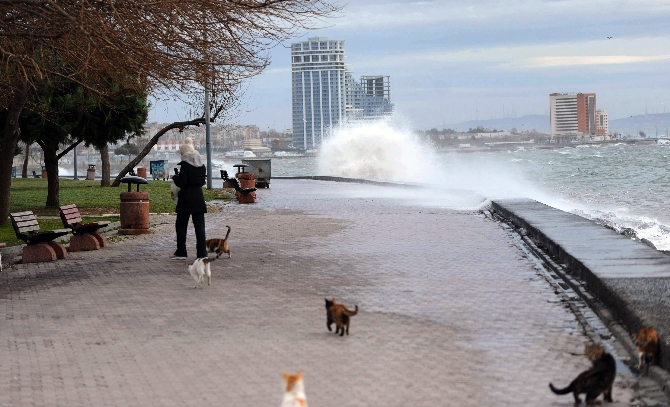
{"type": "Point", "coordinates": [104, 157]}
{"type": "Point", "coordinates": [51, 166]}
{"type": "Point", "coordinates": [12, 133]}
{"type": "Point", "coordinates": [152, 142]}
{"type": "Point", "coordinates": [26, 158]}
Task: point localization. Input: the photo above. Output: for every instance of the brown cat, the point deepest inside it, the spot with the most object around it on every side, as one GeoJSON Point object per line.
{"type": "Point", "coordinates": [339, 314]}
{"type": "Point", "coordinates": [598, 379]}
{"type": "Point", "coordinates": [647, 346]}
{"type": "Point", "coordinates": [294, 391]}
{"type": "Point", "coordinates": [219, 246]}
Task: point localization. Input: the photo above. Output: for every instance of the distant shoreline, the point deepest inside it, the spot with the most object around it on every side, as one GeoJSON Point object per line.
{"type": "Point", "coordinates": [544, 146]}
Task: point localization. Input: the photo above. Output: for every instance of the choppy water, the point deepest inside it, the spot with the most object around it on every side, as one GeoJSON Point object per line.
{"type": "Point", "coordinates": [625, 187]}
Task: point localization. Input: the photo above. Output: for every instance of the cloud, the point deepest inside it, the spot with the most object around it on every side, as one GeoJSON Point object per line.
{"type": "Point", "coordinates": [577, 53]}
{"type": "Point", "coordinates": [550, 62]}
{"type": "Point", "coordinates": [385, 15]}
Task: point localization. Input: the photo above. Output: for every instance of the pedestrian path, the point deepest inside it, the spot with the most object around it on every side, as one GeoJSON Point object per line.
{"type": "Point", "coordinates": [630, 278]}
{"type": "Point", "coordinates": [451, 312]}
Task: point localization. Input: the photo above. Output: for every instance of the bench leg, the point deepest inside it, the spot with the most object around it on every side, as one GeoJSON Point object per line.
{"type": "Point", "coordinates": [61, 253]}
{"type": "Point", "coordinates": [100, 238]}
{"type": "Point", "coordinates": [38, 253]}
{"type": "Point", "coordinates": [83, 243]}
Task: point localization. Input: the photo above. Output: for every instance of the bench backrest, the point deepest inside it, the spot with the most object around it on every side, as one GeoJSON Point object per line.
{"type": "Point", "coordinates": [70, 215]}
{"type": "Point", "coordinates": [24, 222]}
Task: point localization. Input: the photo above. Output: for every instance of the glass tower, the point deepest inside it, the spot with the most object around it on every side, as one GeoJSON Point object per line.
{"type": "Point", "coordinates": [318, 90]}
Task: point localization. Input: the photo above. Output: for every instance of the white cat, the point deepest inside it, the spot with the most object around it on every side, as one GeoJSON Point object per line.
{"type": "Point", "coordinates": [199, 269]}
{"type": "Point", "coordinates": [294, 391]}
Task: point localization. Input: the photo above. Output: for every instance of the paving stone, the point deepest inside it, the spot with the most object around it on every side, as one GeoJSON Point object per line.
{"type": "Point", "coordinates": [451, 312]}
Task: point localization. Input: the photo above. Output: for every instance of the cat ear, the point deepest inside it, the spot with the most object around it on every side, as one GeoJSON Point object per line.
{"type": "Point", "coordinates": [286, 374]}
{"type": "Point", "coordinates": [299, 375]}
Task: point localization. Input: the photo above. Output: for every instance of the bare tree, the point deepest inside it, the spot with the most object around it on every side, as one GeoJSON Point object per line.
{"type": "Point", "coordinates": [140, 45]}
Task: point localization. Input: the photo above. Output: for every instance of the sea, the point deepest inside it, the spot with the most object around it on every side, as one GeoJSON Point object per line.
{"type": "Point", "coordinates": [624, 187]}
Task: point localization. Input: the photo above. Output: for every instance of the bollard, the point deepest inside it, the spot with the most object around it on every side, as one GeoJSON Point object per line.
{"type": "Point", "coordinates": [134, 209]}
{"type": "Point", "coordinates": [142, 172]}
{"type": "Point", "coordinates": [90, 173]}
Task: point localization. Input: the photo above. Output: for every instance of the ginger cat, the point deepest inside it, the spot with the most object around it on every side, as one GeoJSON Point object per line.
{"type": "Point", "coordinates": [340, 315]}
{"type": "Point", "coordinates": [647, 346]}
{"type": "Point", "coordinates": [219, 246]}
{"type": "Point", "coordinates": [294, 391]}
{"type": "Point", "coordinates": [598, 379]}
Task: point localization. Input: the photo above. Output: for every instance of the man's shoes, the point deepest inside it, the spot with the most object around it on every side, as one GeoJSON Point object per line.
{"type": "Point", "coordinates": [176, 257]}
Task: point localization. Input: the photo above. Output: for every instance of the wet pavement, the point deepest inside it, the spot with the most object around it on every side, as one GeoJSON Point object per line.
{"type": "Point", "coordinates": [630, 278]}
{"type": "Point", "coordinates": [452, 312]}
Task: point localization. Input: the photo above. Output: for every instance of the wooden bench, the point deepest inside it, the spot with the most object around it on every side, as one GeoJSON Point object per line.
{"type": "Point", "coordinates": [85, 236]}
{"type": "Point", "coordinates": [39, 245]}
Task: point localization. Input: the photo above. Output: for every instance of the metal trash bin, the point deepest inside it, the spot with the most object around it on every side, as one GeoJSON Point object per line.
{"type": "Point", "coordinates": [90, 172]}
{"type": "Point", "coordinates": [134, 209]}
{"type": "Point", "coordinates": [44, 172]}
{"type": "Point", "coordinates": [261, 168]}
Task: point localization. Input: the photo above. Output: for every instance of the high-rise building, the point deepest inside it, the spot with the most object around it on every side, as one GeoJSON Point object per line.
{"type": "Point", "coordinates": [602, 123]}
{"type": "Point", "coordinates": [572, 114]}
{"type": "Point", "coordinates": [325, 93]}
{"type": "Point", "coordinates": [369, 99]}
{"type": "Point", "coordinates": [318, 87]}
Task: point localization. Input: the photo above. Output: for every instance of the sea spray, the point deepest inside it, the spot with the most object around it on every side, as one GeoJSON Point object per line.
{"type": "Point", "coordinates": [623, 187]}
{"type": "Point", "coordinates": [376, 150]}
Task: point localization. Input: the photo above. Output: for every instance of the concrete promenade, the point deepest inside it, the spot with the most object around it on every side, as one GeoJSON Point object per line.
{"type": "Point", "coordinates": [630, 278]}
{"type": "Point", "coordinates": [452, 313]}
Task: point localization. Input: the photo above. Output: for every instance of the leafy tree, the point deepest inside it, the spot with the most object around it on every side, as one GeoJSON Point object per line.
{"type": "Point", "coordinates": [127, 149]}
{"type": "Point", "coordinates": [104, 124]}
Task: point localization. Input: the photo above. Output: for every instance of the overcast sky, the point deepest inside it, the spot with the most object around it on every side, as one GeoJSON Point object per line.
{"type": "Point", "coordinates": [451, 61]}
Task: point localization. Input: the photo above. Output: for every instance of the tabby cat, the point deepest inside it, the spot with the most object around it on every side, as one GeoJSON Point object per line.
{"type": "Point", "coordinates": [339, 314]}
{"type": "Point", "coordinates": [647, 346]}
{"type": "Point", "coordinates": [294, 391]}
{"type": "Point", "coordinates": [219, 246]}
{"type": "Point", "coordinates": [598, 379]}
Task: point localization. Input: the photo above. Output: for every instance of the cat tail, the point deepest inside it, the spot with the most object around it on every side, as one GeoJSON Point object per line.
{"type": "Point", "coordinates": [567, 390]}
{"type": "Point", "coordinates": [351, 313]}
{"type": "Point", "coordinates": [227, 233]}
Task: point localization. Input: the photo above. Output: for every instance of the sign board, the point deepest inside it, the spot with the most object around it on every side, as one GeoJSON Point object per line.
{"type": "Point", "coordinates": [158, 169]}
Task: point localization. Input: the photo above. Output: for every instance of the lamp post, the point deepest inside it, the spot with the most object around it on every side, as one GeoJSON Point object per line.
{"type": "Point", "coordinates": [208, 141]}
{"type": "Point", "coordinates": [75, 164]}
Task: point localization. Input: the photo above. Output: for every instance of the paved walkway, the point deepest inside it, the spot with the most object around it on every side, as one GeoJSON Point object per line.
{"type": "Point", "coordinates": [632, 279]}
{"type": "Point", "coordinates": [451, 313]}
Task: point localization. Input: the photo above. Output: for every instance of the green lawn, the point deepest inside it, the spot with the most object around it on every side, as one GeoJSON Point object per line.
{"type": "Point", "coordinates": [30, 194]}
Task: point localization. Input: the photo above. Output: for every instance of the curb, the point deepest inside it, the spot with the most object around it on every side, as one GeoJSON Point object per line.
{"type": "Point", "coordinates": [654, 372]}
{"type": "Point", "coordinates": [357, 181]}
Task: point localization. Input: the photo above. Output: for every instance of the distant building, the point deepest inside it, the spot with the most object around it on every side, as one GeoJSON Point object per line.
{"type": "Point", "coordinates": [324, 92]}
{"type": "Point", "coordinates": [369, 99]}
{"type": "Point", "coordinates": [572, 114]}
{"type": "Point", "coordinates": [602, 123]}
